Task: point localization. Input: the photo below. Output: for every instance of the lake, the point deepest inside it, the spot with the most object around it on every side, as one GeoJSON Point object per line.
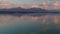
{"type": "Point", "coordinates": [32, 23]}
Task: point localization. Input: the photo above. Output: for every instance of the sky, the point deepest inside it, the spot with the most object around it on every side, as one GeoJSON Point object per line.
{"type": "Point", "coordinates": [32, 1]}
{"type": "Point", "coordinates": [45, 3]}
{"type": "Point", "coordinates": [26, 1]}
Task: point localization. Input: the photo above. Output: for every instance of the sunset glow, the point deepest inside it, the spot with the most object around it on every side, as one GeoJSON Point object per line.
{"type": "Point", "coordinates": [45, 4]}
{"type": "Point", "coordinates": [56, 5]}
{"type": "Point", "coordinates": [35, 6]}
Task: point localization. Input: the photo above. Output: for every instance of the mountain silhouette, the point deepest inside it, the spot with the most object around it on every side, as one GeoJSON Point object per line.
{"type": "Point", "coordinates": [36, 10]}
{"type": "Point", "coordinates": [22, 10]}
{"type": "Point", "coordinates": [19, 9]}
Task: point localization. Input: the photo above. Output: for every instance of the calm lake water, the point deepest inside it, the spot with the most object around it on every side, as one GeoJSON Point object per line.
{"type": "Point", "coordinates": [34, 23]}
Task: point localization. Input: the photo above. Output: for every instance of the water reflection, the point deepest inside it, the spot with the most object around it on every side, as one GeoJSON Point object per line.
{"type": "Point", "coordinates": [55, 19]}
{"type": "Point", "coordinates": [34, 18]}
{"type": "Point", "coordinates": [30, 24]}
{"type": "Point", "coordinates": [42, 19]}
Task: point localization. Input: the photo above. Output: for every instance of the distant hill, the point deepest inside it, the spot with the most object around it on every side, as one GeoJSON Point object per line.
{"type": "Point", "coordinates": [53, 10]}
{"type": "Point", "coordinates": [36, 10]}
{"type": "Point", "coordinates": [19, 9]}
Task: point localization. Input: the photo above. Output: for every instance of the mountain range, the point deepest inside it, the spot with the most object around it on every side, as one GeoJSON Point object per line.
{"type": "Point", "coordinates": [22, 10]}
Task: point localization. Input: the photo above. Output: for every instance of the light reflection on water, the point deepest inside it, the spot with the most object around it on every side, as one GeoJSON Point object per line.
{"type": "Point", "coordinates": [29, 24]}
